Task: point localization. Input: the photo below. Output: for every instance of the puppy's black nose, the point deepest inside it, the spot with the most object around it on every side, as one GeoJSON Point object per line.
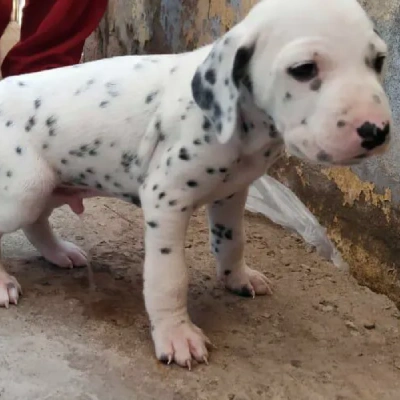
{"type": "Point", "coordinates": [372, 135]}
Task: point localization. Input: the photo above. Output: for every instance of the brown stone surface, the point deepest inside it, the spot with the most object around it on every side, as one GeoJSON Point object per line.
{"type": "Point", "coordinates": [320, 336]}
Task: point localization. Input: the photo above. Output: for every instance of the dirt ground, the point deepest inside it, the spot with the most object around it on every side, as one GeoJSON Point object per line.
{"type": "Point", "coordinates": [320, 336]}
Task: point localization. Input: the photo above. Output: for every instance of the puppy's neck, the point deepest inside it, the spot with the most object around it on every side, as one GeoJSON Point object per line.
{"type": "Point", "coordinates": [256, 129]}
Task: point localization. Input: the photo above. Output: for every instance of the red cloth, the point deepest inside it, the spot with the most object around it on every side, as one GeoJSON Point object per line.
{"type": "Point", "coordinates": [5, 14]}
{"type": "Point", "coordinates": [53, 33]}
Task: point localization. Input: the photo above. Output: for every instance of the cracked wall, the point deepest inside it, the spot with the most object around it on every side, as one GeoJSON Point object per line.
{"type": "Point", "coordinates": [360, 205]}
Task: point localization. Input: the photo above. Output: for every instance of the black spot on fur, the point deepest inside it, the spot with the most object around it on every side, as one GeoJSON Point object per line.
{"type": "Point", "coordinates": [155, 187]}
{"type": "Point", "coordinates": [37, 103]}
{"type": "Point", "coordinates": [341, 123]}
{"type": "Point", "coordinates": [172, 203]}
{"type": "Point", "coordinates": [241, 63]}
{"type": "Point", "coordinates": [9, 123]}
{"type": "Point", "coordinates": [316, 84]}
{"type": "Point", "coordinates": [161, 195]}
{"type": "Point", "coordinates": [165, 250]}
{"type": "Point", "coordinates": [228, 234]}
{"type": "Point", "coordinates": [127, 159]}
{"type": "Point", "coordinates": [323, 156]}
{"type": "Point", "coordinates": [192, 183]}
{"type": "Point", "coordinates": [51, 123]}
{"type": "Point", "coordinates": [183, 154]}
{"type": "Point", "coordinates": [90, 170]}
{"type": "Point", "coordinates": [206, 124]}
{"type": "Point", "coordinates": [51, 120]}
{"type": "Point", "coordinates": [217, 111]}
{"type": "Point", "coordinates": [273, 132]}
{"type": "Point", "coordinates": [207, 138]}
{"type": "Point", "coordinates": [152, 224]}
{"type": "Point", "coordinates": [210, 171]}
{"type": "Point", "coordinates": [45, 146]}
{"type": "Point", "coordinates": [203, 96]}
{"type": "Point", "coordinates": [197, 142]}
{"type": "Point", "coordinates": [227, 272]}
{"type": "Point", "coordinates": [9, 174]}
{"type": "Point", "coordinates": [30, 123]}
{"type": "Point", "coordinates": [18, 150]}
{"type": "Point", "coordinates": [288, 96]}
{"type": "Point", "coordinates": [150, 97]}
{"type": "Point", "coordinates": [104, 104]}
{"type": "Point", "coordinates": [210, 76]}
{"type": "Point", "coordinates": [112, 90]}
{"type": "Point", "coordinates": [64, 161]}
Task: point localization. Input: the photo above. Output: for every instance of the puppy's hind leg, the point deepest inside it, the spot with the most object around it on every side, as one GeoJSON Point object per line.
{"type": "Point", "coordinates": [10, 289]}
{"type": "Point", "coordinates": [25, 188]}
{"type": "Point", "coordinates": [59, 252]}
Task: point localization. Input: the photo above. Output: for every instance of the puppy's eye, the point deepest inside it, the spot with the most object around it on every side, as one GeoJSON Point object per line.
{"type": "Point", "coordinates": [379, 62]}
{"type": "Point", "coordinates": [303, 72]}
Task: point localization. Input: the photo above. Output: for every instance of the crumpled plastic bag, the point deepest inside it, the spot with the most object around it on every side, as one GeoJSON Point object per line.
{"type": "Point", "coordinates": [278, 203]}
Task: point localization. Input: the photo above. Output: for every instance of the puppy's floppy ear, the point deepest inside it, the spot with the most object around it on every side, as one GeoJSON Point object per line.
{"type": "Point", "coordinates": [218, 80]}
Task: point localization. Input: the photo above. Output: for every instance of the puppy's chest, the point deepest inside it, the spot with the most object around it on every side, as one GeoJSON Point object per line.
{"type": "Point", "coordinates": [243, 171]}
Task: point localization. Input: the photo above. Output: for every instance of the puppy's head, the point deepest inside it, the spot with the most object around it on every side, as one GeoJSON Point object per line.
{"type": "Point", "coordinates": [314, 67]}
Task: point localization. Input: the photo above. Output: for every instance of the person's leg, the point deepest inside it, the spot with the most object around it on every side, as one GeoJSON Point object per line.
{"type": "Point", "coordinates": [5, 15]}
{"type": "Point", "coordinates": [53, 34]}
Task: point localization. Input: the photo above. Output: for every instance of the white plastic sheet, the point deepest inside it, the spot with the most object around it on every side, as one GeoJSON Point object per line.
{"type": "Point", "coordinates": [278, 203]}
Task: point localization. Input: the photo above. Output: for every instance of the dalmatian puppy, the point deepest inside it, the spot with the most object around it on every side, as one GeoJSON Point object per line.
{"type": "Point", "coordinates": [171, 133]}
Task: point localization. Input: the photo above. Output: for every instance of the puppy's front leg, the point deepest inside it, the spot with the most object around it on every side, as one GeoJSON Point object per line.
{"type": "Point", "coordinates": [227, 244]}
{"type": "Point", "coordinates": [175, 337]}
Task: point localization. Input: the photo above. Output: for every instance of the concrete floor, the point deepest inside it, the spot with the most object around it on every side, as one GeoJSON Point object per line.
{"type": "Point", "coordinates": [320, 336]}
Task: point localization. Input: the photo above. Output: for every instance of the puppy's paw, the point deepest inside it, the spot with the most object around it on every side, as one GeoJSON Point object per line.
{"type": "Point", "coordinates": [180, 342]}
{"type": "Point", "coordinates": [65, 255]}
{"type": "Point", "coordinates": [10, 290]}
{"type": "Point", "coordinates": [248, 282]}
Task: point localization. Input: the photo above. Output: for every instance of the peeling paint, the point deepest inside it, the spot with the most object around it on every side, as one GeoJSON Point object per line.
{"type": "Point", "coordinates": [353, 188]}
{"type": "Point", "coordinates": [366, 268]}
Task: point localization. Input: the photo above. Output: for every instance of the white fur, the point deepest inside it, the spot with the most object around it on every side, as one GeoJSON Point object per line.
{"type": "Point", "coordinates": [147, 127]}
